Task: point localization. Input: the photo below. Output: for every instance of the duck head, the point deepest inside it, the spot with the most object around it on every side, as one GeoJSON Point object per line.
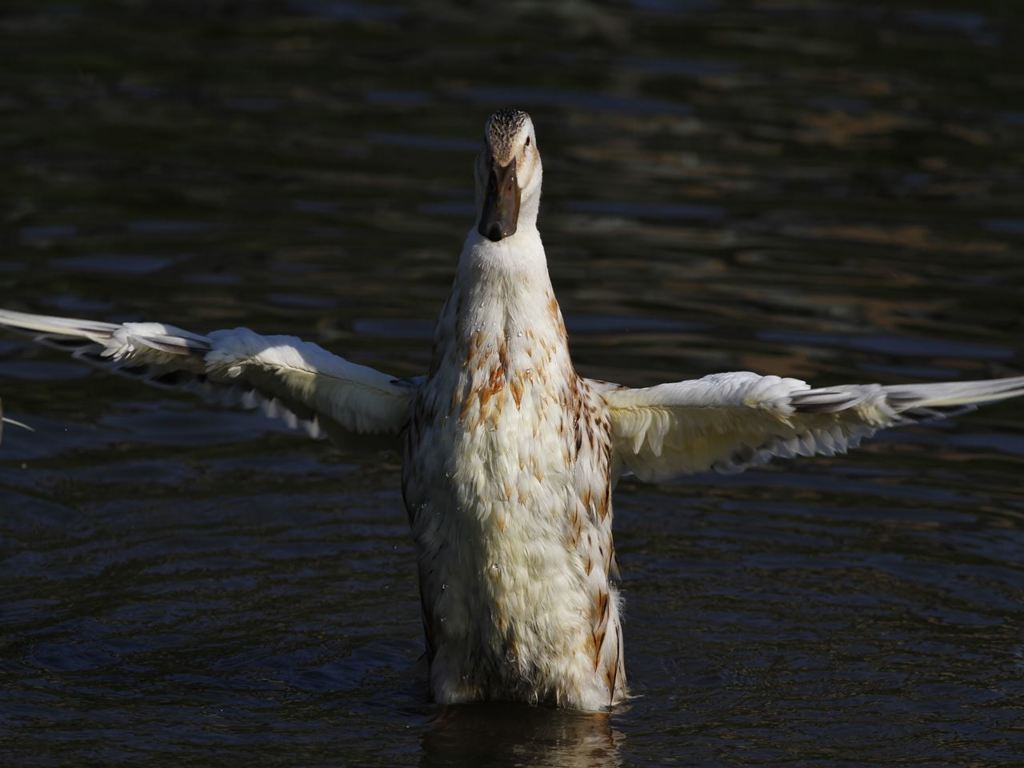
{"type": "Point", "coordinates": [508, 175]}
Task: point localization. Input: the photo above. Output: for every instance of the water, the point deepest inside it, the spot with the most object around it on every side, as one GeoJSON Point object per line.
{"type": "Point", "coordinates": [826, 190]}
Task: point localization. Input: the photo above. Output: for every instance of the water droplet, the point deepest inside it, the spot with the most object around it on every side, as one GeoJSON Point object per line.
{"type": "Point", "coordinates": [495, 568]}
{"type": "Point", "coordinates": [519, 334]}
{"type": "Point", "coordinates": [443, 620]}
{"type": "Point", "coordinates": [444, 587]}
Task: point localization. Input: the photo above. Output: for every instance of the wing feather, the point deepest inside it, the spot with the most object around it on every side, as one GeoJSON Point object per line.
{"type": "Point", "coordinates": [288, 378]}
{"type": "Point", "coordinates": [728, 422]}
{"type": "Point", "coordinates": [6, 420]}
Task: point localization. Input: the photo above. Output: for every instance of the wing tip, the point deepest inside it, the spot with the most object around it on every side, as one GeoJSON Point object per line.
{"type": "Point", "coordinates": [12, 422]}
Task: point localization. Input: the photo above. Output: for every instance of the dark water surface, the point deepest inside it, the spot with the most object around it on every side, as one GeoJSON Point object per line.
{"type": "Point", "coordinates": [828, 190]}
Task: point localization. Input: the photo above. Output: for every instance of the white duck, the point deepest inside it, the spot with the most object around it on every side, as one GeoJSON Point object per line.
{"type": "Point", "coordinates": [509, 455]}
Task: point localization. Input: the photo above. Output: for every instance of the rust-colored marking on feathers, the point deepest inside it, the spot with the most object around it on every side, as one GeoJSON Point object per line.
{"type": "Point", "coordinates": [503, 354]}
{"type": "Point", "coordinates": [517, 390]}
{"type": "Point", "coordinates": [594, 649]}
{"type": "Point", "coordinates": [611, 673]}
{"type": "Point", "coordinates": [602, 606]}
{"type": "Point", "coordinates": [598, 640]}
{"type": "Point", "coordinates": [465, 408]}
{"type": "Point", "coordinates": [495, 383]}
{"type": "Point", "coordinates": [556, 315]}
{"type": "Point", "coordinates": [474, 344]}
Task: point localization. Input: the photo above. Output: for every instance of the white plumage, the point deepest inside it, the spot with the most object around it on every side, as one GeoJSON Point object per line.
{"type": "Point", "coordinates": [287, 377]}
{"type": "Point", "coordinates": [510, 457]}
{"type": "Point", "coordinates": [728, 422]}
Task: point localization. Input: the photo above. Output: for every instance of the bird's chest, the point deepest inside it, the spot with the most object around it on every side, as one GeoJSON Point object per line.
{"type": "Point", "coordinates": [505, 461]}
{"type": "Point", "coordinates": [493, 434]}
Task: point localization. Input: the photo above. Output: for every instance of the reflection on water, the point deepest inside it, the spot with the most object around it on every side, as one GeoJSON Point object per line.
{"type": "Point", "coordinates": [504, 734]}
{"type": "Point", "coordinates": [827, 190]}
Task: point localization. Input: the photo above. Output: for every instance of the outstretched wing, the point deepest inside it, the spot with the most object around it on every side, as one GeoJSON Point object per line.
{"type": "Point", "coordinates": [289, 378]}
{"type": "Point", "coordinates": [731, 421]}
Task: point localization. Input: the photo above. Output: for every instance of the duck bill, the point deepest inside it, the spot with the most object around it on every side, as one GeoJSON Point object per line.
{"type": "Point", "coordinates": [500, 213]}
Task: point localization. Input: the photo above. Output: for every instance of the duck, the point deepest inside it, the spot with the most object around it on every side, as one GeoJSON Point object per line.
{"type": "Point", "coordinates": [509, 456]}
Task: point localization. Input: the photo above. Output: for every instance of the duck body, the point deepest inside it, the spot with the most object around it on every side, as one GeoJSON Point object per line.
{"type": "Point", "coordinates": [507, 485]}
{"type": "Point", "coordinates": [509, 456]}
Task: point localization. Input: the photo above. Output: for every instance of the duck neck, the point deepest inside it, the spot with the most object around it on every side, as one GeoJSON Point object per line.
{"type": "Point", "coordinates": [502, 310]}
